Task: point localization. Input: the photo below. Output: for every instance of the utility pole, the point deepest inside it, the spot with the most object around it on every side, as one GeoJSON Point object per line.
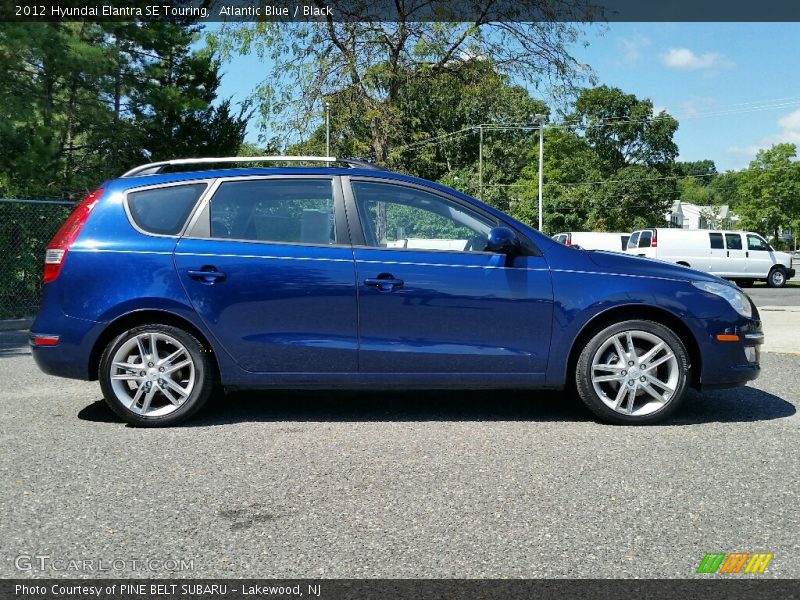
{"type": "Point", "coordinates": [480, 161]}
{"type": "Point", "coordinates": [541, 118]}
{"type": "Point", "coordinates": [327, 128]}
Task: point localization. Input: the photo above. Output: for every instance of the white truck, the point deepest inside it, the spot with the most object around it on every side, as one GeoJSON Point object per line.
{"type": "Point", "coordinates": [742, 256]}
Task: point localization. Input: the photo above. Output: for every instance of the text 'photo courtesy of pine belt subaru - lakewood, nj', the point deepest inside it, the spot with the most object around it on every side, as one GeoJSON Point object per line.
{"type": "Point", "coordinates": [185, 275]}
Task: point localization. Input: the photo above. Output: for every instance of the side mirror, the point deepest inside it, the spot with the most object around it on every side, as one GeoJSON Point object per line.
{"type": "Point", "coordinates": [502, 241]}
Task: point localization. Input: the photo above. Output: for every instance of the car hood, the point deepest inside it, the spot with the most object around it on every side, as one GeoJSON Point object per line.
{"type": "Point", "coordinates": [615, 262]}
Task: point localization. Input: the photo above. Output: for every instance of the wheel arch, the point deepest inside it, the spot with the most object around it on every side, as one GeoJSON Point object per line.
{"type": "Point", "coordinates": [143, 317]}
{"type": "Point", "coordinates": [648, 313]}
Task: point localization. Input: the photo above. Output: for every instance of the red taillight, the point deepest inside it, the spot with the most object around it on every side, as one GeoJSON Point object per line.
{"type": "Point", "coordinates": [569, 240]}
{"type": "Point", "coordinates": [654, 242]}
{"type": "Point", "coordinates": [45, 340]}
{"type": "Point", "coordinates": [57, 248]}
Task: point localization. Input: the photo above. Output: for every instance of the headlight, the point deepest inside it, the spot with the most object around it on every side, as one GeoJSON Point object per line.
{"type": "Point", "coordinates": [735, 298]}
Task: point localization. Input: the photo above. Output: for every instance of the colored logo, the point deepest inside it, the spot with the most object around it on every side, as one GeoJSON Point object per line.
{"type": "Point", "coordinates": [734, 562]}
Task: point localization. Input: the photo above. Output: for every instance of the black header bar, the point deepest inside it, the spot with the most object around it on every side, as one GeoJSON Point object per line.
{"type": "Point", "coordinates": [401, 10]}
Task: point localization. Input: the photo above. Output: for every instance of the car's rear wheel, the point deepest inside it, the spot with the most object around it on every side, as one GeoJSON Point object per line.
{"type": "Point", "coordinates": [776, 278]}
{"type": "Point", "coordinates": [633, 372]}
{"type": "Point", "coordinates": [155, 375]}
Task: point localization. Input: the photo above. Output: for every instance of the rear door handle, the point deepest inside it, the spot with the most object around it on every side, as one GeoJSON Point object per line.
{"type": "Point", "coordinates": [206, 274]}
{"type": "Point", "coordinates": [385, 282]}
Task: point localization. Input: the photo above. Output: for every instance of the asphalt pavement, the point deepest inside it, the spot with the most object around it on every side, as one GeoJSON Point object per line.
{"type": "Point", "coordinates": [394, 485]}
{"type": "Point", "coordinates": [765, 296]}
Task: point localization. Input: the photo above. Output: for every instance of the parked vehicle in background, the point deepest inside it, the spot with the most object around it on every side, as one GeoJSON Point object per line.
{"type": "Point", "coordinates": [739, 255]}
{"type": "Point", "coordinates": [594, 240]}
{"type": "Point", "coordinates": [165, 284]}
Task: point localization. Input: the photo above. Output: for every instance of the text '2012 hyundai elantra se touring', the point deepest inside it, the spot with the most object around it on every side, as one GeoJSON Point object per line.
{"type": "Point", "coordinates": [187, 274]}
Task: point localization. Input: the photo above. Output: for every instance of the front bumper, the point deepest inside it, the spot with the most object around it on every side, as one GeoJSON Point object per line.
{"type": "Point", "coordinates": [731, 364]}
{"type": "Point", "coordinates": [790, 273]}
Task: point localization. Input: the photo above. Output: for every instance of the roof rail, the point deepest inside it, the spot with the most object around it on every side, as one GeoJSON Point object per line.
{"type": "Point", "coordinates": [157, 167]}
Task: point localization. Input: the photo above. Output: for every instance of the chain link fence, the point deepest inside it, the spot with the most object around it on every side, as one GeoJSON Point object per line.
{"type": "Point", "coordinates": [26, 227]}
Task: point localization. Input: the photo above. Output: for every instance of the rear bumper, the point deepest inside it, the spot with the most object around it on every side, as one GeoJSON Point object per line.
{"type": "Point", "coordinates": [71, 355]}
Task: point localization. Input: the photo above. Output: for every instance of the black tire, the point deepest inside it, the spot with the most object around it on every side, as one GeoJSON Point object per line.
{"type": "Point", "coordinates": [591, 398]}
{"type": "Point", "coordinates": [744, 283]}
{"type": "Point", "coordinates": [776, 277]}
{"type": "Point", "coordinates": [202, 369]}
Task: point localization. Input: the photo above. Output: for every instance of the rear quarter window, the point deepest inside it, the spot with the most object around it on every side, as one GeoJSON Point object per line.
{"type": "Point", "coordinates": [164, 210]}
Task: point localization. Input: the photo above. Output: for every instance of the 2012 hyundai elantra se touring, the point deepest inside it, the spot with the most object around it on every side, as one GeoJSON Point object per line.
{"type": "Point", "coordinates": [183, 275]}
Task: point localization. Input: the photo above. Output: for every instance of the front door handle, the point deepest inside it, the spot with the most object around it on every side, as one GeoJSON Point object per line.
{"type": "Point", "coordinates": [385, 282]}
{"type": "Point", "coordinates": [207, 274]}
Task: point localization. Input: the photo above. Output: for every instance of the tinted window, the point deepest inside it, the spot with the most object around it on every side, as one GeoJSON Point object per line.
{"type": "Point", "coordinates": [394, 216]}
{"type": "Point", "coordinates": [644, 239]}
{"type": "Point", "coordinates": [274, 210]}
{"type": "Point", "coordinates": [634, 240]}
{"type": "Point", "coordinates": [164, 210]}
{"type": "Point", "coordinates": [756, 243]}
{"type": "Point", "coordinates": [733, 241]}
{"type": "Point", "coordinates": [716, 241]}
{"type": "Point", "coordinates": [624, 240]}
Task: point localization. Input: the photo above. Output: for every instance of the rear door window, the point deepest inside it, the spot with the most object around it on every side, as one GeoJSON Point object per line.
{"type": "Point", "coordinates": [164, 210]}
{"type": "Point", "coordinates": [716, 241]}
{"type": "Point", "coordinates": [733, 241]}
{"type": "Point", "coordinates": [634, 240]}
{"type": "Point", "coordinates": [296, 211]}
{"type": "Point", "coordinates": [645, 238]}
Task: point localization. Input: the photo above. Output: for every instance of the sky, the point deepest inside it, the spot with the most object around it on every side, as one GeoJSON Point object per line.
{"type": "Point", "coordinates": [734, 87]}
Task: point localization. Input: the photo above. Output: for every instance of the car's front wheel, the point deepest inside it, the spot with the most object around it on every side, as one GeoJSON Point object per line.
{"type": "Point", "coordinates": [633, 372]}
{"type": "Point", "coordinates": [155, 375]}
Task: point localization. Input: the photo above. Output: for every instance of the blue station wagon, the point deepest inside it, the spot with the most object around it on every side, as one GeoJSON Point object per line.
{"type": "Point", "coordinates": [188, 274]}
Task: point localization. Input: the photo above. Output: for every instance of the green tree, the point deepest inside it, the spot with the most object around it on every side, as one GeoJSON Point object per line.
{"type": "Point", "coordinates": [365, 65]}
{"type": "Point", "coordinates": [703, 171]}
{"type": "Point", "coordinates": [623, 130]}
{"type": "Point", "coordinates": [769, 191]}
{"type": "Point", "coordinates": [635, 153]}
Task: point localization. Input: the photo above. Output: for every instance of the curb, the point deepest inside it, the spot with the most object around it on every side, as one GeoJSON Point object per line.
{"type": "Point", "coordinates": [15, 324]}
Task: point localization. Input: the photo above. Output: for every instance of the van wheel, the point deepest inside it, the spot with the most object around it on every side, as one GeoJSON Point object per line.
{"type": "Point", "coordinates": [633, 373]}
{"type": "Point", "coordinates": [683, 263]}
{"type": "Point", "coordinates": [776, 278]}
{"type": "Point", "coordinates": [156, 375]}
{"type": "Point", "coordinates": [744, 283]}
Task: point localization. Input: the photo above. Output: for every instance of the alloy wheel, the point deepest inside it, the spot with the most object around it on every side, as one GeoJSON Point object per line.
{"type": "Point", "coordinates": [152, 374]}
{"type": "Point", "coordinates": [635, 373]}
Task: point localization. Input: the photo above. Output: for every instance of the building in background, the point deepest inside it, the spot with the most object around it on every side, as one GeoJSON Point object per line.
{"type": "Point", "coordinates": [684, 215]}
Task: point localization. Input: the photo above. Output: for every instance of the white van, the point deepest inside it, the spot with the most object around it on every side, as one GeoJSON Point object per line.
{"type": "Point", "coordinates": [594, 240]}
{"type": "Point", "coordinates": [740, 255]}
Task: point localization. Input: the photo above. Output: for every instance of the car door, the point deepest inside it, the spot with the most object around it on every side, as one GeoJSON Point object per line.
{"type": "Point", "coordinates": [735, 259]}
{"type": "Point", "coordinates": [759, 256]}
{"type": "Point", "coordinates": [431, 300]}
{"type": "Point", "coordinates": [268, 266]}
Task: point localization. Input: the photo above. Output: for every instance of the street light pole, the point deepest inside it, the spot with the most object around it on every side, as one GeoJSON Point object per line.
{"type": "Point", "coordinates": [541, 118]}
{"type": "Point", "coordinates": [327, 129]}
{"type": "Point", "coordinates": [480, 161]}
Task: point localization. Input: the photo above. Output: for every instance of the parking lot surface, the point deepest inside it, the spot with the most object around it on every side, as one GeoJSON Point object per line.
{"type": "Point", "coordinates": [479, 484]}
